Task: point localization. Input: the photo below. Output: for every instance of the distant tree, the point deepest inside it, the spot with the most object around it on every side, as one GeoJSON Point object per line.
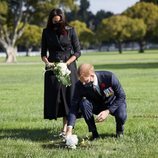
{"type": "Point", "coordinates": [152, 1]}
{"type": "Point", "coordinates": [148, 12]}
{"type": "Point", "coordinates": [86, 36]}
{"type": "Point", "coordinates": [137, 29]}
{"type": "Point", "coordinates": [120, 29]}
{"type": "Point", "coordinates": [73, 14]}
{"type": "Point", "coordinates": [43, 9]}
{"type": "Point", "coordinates": [82, 13]}
{"type": "Point", "coordinates": [100, 15]}
{"type": "Point", "coordinates": [3, 12]}
{"type": "Point", "coordinates": [30, 38]}
{"type": "Point", "coordinates": [64, 4]}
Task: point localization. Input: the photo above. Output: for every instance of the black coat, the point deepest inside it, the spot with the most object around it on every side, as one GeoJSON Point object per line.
{"type": "Point", "coordinates": [60, 47]}
{"type": "Point", "coordinates": [112, 95]}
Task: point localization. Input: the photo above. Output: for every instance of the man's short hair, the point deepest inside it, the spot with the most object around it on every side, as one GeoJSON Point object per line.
{"type": "Point", "coordinates": [84, 70]}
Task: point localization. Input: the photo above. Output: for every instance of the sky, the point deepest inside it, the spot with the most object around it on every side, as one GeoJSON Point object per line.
{"type": "Point", "coordinates": [115, 6]}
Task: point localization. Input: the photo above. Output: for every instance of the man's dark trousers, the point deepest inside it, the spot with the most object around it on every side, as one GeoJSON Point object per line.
{"type": "Point", "coordinates": [88, 109]}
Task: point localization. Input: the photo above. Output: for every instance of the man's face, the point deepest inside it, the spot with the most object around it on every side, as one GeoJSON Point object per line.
{"type": "Point", "coordinates": [87, 79]}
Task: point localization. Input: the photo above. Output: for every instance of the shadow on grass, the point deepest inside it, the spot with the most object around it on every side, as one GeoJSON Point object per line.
{"type": "Point", "coordinates": [29, 134]}
{"type": "Point", "coordinates": [58, 144]}
{"type": "Point", "coordinates": [46, 137]}
{"type": "Point", "coordinates": [36, 134]}
{"type": "Point", "coordinates": [49, 139]}
{"type": "Point", "coordinates": [107, 135]}
{"type": "Point", "coordinates": [128, 66]}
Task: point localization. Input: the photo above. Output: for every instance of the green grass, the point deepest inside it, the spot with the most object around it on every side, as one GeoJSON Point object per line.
{"type": "Point", "coordinates": [24, 132]}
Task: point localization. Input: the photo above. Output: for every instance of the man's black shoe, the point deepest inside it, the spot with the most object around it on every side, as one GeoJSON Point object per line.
{"type": "Point", "coordinates": [119, 135]}
{"type": "Point", "coordinates": [95, 136]}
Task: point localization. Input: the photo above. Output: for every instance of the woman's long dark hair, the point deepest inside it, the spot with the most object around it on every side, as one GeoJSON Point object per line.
{"type": "Point", "coordinates": [63, 23]}
{"type": "Point", "coordinates": [55, 12]}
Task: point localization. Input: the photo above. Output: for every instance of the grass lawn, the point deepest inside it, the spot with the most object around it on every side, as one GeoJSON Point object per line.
{"type": "Point", "coordinates": [24, 132]}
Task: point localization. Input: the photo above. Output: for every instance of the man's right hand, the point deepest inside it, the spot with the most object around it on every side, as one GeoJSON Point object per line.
{"type": "Point", "coordinates": [102, 116]}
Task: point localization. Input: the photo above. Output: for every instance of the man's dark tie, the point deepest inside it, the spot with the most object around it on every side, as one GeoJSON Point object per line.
{"type": "Point", "coordinates": [95, 90]}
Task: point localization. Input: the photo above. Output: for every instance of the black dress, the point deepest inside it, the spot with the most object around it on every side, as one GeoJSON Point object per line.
{"type": "Point", "coordinates": [57, 97]}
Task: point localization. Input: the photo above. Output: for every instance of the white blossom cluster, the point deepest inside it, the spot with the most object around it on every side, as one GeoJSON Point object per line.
{"type": "Point", "coordinates": [72, 141]}
{"type": "Point", "coordinates": [63, 69]}
{"type": "Point", "coordinates": [62, 72]}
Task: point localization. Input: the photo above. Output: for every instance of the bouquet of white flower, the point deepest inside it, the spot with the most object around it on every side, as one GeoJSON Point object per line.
{"type": "Point", "coordinates": [71, 141]}
{"type": "Point", "coordinates": [62, 73]}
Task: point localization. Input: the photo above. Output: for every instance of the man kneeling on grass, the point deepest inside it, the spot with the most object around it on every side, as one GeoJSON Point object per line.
{"type": "Point", "coordinates": [100, 93]}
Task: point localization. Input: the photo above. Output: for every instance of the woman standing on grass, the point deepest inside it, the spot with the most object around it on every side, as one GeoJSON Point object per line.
{"type": "Point", "coordinates": [61, 41]}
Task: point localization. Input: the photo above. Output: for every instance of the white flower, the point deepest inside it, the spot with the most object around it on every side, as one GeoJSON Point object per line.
{"type": "Point", "coordinates": [62, 73]}
{"type": "Point", "coordinates": [63, 68]}
{"type": "Point", "coordinates": [72, 141]}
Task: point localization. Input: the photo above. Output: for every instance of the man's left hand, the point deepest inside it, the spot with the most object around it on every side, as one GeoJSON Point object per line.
{"type": "Point", "coordinates": [102, 116]}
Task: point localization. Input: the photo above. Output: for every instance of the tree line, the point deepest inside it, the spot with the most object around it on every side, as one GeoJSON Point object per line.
{"type": "Point", "coordinates": [22, 21]}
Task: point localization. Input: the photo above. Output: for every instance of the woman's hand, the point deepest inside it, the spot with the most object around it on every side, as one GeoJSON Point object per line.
{"type": "Point", "coordinates": [49, 64]}
{"type": "Point", "coordinates": [67, 63]}
{"type": "Point", "coordinates": [72, 59]}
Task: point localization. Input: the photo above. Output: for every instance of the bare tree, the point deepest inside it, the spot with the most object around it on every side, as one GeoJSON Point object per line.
{"type": "Point", "coordinates": [12, 26]}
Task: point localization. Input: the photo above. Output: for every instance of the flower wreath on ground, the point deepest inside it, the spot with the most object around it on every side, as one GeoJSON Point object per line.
{"type": "Point", "coordinates": [61, 71]}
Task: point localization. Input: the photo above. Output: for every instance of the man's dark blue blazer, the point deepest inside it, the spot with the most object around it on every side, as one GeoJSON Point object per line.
{"type": "Point", "coordinates": [111, 95]}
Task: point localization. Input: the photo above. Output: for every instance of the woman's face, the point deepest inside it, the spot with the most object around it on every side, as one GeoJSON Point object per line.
{"type": "Point", "coordinates": [56, 19]}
